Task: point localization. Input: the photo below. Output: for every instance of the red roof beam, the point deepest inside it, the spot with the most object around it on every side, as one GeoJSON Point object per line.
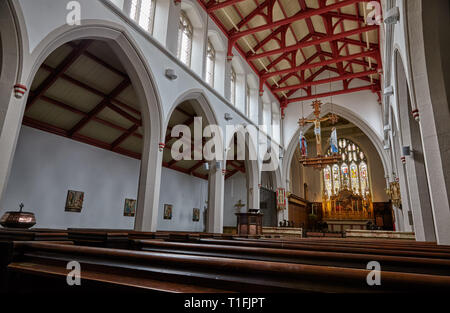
{"type": "Point", "coordinates": [220, 5]}
{"type": "Point", "coordinates": [350, 57]}
{"type": "Point", "coordinates": [334, 93]}
{"type": "Point", "coordinates": [325, 81]}
{"type": "Point", "coordinates": [314, 42]}
{"type": "Point", "coordinates": [302, 14]}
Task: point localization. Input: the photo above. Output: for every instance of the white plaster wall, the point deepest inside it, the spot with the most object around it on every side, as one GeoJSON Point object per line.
{"type": "Point", "coordinates": [46, 166]}
{"type": "Point", "coordinates": [235, 190]}
{"type": "Point", "coordinates": [185, 193]}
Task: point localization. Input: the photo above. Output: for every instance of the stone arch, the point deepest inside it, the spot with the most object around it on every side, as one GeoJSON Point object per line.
{"type": "Point", "coordinates": [350, 116]}
{"type": "Point", "coordinates": [251, 164]}
{"type": "Point", "coordinates": [202, 106]}
{"type": "Point", "coordinates": [128, 52]}
{"type": "Point", "coordinates": [13, 45]}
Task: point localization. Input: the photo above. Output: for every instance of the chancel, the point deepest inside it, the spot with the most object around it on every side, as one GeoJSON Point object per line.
{"type": "Point", "coordinates": [223, 146]}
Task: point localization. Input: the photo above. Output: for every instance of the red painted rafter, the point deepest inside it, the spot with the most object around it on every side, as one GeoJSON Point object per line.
{"type": "Point", "coordinates": [333, 19]}
{"type": "Point", "coordinates": [318, 64]}
{"type": "Point", "coordinates": [325, 81]}
{"type": "Point", "coordinates": [327, 38]}
{"type": "Point", "coordinates": [373, 88]}
{"type": "Point", "coordinates": [301, 15]}
{"type": "Point", "coordinates": [215, 5]}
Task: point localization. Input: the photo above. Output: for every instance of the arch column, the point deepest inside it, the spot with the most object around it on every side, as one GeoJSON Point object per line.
{"type": "Point", "coordinates": [9, 135]}
{"type": "Point", "coordinates": [216, 180]}
{"type": "Point", "coordinates": [427, 25]}
{"type": "Point", "coordinates": [148, 190]}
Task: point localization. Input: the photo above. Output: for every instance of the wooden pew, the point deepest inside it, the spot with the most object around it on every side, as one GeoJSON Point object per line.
{"type": "Point", "coordinates": [328, 248]}
{"type": "Point", "coordinates": [349, 260]}
{"type": "Point", "coordinates": [33, 234]}
{"type": "Point", "coordinates": [170, 272]}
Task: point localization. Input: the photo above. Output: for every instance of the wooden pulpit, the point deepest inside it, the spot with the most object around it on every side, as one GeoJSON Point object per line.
{"type": "Point", "coordinates": [249, 224]}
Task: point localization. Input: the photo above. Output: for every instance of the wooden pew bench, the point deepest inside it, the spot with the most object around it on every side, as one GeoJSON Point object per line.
{"type": "Point", "coordinates": [349, 260]}
{"type": "Point", "coordinates": [328, 248]}
{"type": "Point", "coordinates": [170, 272]}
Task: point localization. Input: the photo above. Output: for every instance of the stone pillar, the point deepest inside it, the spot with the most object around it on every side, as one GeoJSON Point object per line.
{"type": "Point", "coordinates": [149, 189]}
{"type": "Point", "coordinates": [216, 188]}
{"type": "Point", "coordinates": [252, 187]}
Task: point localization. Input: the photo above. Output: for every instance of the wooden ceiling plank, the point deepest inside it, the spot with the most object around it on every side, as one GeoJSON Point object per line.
{"type": "Point", "coordinates": [99, 107]}
{"type": "Point", "coordinates": [57, 72]}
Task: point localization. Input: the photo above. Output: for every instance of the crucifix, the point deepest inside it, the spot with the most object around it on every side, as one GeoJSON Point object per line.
{"type": "Point", "coordinates": [239, 205]}
{"type": "Point", "coordinates": [317, 131]}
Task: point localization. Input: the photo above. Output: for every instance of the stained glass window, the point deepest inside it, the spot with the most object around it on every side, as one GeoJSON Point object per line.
{"type": "Point", "coordinates": [336, 179]}
{"type": "Point", "coordinates": [345, 176]}
{"type": "Point", "coordinates": [327, 178]}
{"type": "Point", "coordinates": [354, 177]}
{"type": "Point", "coordinates": [364, 177]}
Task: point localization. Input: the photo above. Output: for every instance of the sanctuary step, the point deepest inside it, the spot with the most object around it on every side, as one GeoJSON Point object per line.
{"type": "Point", "coordinates": [382, 234]}
{"type": "Point", "coordinates": [284, 232]}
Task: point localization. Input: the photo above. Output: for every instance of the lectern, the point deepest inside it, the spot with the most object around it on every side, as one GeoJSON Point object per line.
{"type": "Point", "coordinates": [249, 224]}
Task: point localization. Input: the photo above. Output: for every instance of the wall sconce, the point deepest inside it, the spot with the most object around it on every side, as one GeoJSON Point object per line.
{"type": "Point", "coordinates": [228, 117]}
{"type": "Point", "coordinates": [170, 74]}
{"type": "Point", "coordinates": [388, 91]}
{"type": "Point", "coordinates": [392, 16]}
{"type": "Point", "coordinates": [407, 151]}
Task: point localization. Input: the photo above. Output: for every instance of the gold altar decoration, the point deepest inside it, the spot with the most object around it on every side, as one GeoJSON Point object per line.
{"type": "Point", "coordinates": [393, 193]}
{"type": "Point", "coordinates": [320, 161]}
{"type": "Point", "coordinates": [346, 205]}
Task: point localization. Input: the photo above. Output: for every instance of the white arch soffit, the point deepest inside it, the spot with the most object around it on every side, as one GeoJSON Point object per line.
{"type": "Point", "coordinates": [252, 81]}
{"type": "Point", "coordinates": [216, 40]}
{"type": "Point", "coordinates": [237, 65]}
{"type": "Point", "coordinates": [16, 46]}
{"type": "Point", "coordinates": [126, 49]}
{"type": "Point", "coordinates": [193, 13]}
{"type": "Point", "coordinates": [351, 117]}
{"type": "Point", "coordinates": [277, 173]}
{"type": "Point", "coordinates": [204, 107]}
{"type": "Point", "coordinates": [252, 166]}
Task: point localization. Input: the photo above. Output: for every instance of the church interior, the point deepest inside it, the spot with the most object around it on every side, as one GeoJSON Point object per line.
{"type": "Point", "coordinates": [224, 146]}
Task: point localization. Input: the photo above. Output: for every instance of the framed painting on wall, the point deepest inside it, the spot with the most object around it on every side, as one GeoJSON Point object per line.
{"type": "Point", "coordinates": [196, 215]}
{"type": "Point", "coordinates": [168, 211]}
{"type": "Point", "coordinates": [74, 201]}
{"type": "Point", "coordinates": [129, 208]}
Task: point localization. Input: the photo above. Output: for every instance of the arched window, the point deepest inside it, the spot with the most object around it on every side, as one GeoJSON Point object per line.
{"type": "Point", "coordinates": [210, 64]}
{"type": "Point", "coordinates": [353, 177]}
{"type": "Point", "coordinates": [233, 86]}
{"type": "Point", "coordinates": [143, 12]}
{"type": "Point", "coordinates": [185, 34]}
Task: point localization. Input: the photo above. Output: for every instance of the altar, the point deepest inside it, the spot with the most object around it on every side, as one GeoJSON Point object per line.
{"type": "Point", "coordinates": [347, 210]}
